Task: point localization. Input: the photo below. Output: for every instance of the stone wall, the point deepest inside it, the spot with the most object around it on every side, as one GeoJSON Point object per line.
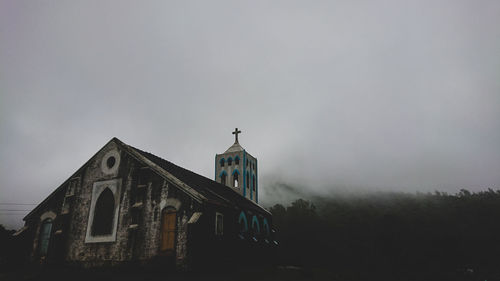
{"type": "Point", "coordinates": [142, 196]}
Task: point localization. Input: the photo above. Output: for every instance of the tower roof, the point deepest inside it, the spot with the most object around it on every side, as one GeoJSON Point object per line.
{"type": "Point", "coordinates": [234, 148]}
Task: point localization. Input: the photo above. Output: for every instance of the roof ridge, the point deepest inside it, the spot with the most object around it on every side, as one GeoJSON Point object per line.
{"type": "Point", "coordinates": [222, 186]}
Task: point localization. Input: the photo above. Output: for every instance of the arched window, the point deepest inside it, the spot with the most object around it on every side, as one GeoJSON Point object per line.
{"type": "Point", "coordinates": [236, 160]}
{"type": "Point", "coordinates": [104, 214]}
{"type": "Point", "coordinates": [223, 178]}
{"type": "Point", "coordinates": [229, 161]}
{"type": "Point", "coordinates": [45, 231]}
{"type": "Point", "coordinates": [222, 162]}
{"type": "Point", "coordinates": [242, 220]}
{"type": "Point", "coordinates": [255, 225]}
{"type": "Point", "coordinates": [253, 183]}
{"type": "Point", "coordinates": [248, 180]}
{"type": "Point", "coordinates": [235, 179]}
{"type": "Point", "coordinates": [265, 225]}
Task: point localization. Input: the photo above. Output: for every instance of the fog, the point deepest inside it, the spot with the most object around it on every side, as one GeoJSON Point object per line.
{"type": "Point", "coordinates": [329, 95]}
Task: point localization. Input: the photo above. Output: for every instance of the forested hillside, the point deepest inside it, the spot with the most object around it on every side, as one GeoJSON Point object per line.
{"type": "Point", "coordinates": [395, 236]}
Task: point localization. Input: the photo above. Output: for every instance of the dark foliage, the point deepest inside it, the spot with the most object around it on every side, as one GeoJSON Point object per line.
{"type": "Point", "coordinates": [394, 236]}
{"type": "Point", "coordinates": [7, 247]}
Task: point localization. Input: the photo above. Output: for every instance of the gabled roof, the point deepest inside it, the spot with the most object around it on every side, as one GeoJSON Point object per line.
{"type": "Point", "coordinates": [200, 188]}
{"type": "Point", "coordinates": [60, 188]}
{"type": "Point", "coordinates": [212, 190]}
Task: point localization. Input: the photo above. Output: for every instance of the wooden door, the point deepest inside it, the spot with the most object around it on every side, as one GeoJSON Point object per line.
{"type": "Point", "coordinates": [168, 231]}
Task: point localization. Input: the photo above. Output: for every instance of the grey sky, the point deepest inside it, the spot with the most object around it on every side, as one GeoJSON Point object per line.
{"type": "Point", "coordinates": [399, 95]}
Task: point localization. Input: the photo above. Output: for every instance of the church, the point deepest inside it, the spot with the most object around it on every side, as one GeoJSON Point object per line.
{"type": "Point", "coordinates": [125, 206]}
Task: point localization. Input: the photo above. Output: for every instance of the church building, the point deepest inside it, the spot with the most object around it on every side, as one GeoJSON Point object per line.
{"type": "Point", "coordinates": [125, 205]}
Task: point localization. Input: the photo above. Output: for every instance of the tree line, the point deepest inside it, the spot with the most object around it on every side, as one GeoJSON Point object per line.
{"type": "Point", "coordinates": [394, 236]}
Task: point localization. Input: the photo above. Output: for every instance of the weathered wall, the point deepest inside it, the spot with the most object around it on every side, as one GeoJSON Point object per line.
{"type": "Point", "coordinates": [143, 195]}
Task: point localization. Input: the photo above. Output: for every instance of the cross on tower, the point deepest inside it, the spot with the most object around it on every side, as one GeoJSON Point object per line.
{"type": "Point", "coordinates": [236, 132]}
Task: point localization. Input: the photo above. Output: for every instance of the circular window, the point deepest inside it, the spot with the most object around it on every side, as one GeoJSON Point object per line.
{"type": "Point", "coordinates": [111, 162]}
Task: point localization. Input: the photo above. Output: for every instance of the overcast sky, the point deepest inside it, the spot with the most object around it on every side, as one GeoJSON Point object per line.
{"type": "Point", "coordinates": [382, 95]}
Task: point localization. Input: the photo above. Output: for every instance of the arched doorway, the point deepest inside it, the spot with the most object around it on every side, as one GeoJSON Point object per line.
{"type": "Point", "coordinates": [168, 230]}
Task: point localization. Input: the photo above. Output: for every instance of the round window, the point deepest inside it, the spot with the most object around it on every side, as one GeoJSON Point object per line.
{"type": "Point", "coordinates": [111, 162]}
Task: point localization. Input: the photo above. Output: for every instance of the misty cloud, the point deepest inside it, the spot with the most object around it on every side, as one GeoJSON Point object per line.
{"type": "Point", "coordinates": [360, 94]}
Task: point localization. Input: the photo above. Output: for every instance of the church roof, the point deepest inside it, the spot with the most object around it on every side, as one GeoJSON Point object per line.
{"type": "Point", "coordinates": [211, 190]}
{"type": "Point", "coordinates": [236, 147]}
{"type": "Point", "coordinates": [197, 186]}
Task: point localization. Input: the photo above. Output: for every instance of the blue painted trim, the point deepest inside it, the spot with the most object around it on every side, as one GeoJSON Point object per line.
{"type": "Point", "coordinates": [256, 221]}
{"type": "Point", "coordinates": [235, 171]}
{"type": "Point", "coordinates": [222, 173]}
{"type": "Point", "coordinates": [244, 218]}
{"type": "Point", "coordinates": [244, 169]}
{"type": "Point", "coordinates": [256, 184]}
{"type": "Point", "coordinates": [249, 183]}
{"type": "Point", "coordinates": [250, 186]}
{"type": "Point", "coordinates": [266, 229]}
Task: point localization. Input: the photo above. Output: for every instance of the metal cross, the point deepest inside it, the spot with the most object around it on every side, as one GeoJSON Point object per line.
{"type": "Point", "coordinates": [236, 132]}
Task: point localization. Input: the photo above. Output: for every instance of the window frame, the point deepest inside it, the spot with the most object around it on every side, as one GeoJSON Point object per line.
{"type": "Point", "coordinates": [243, 222]}
{"type": "Point", "coordinates": [236, 180]}
{"type": "Point", "coordinates": [165, 213]}
{"type": "Point", "coordinates": [223, 178]}
{"type": "Point", "coordinates": [248, 179]}
{"type": "Point", "coordinates": [98, 187]}
{"type": "Point", "coordinates": [219, 217]}
{"type": "Point", "coordinates": [97, 228]}
{"type": "Point", "coordinates": [43, 251]}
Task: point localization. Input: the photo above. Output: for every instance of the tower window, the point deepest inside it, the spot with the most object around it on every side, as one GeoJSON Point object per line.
{"type": "Point", "coordinates": [222, 162]}
{"type": "Point", "coordinates": [223, 179]}
{"type": "Point", "coordinates": [247, 162]}
{"type": "Point", "coordinates": [229, 161]}
{"type": "Point", "coordinates": [235, 179]}
{"type": "Point", "coordinates": [248, 180]}
{"type": "Point", "coordinates": [237, 160]}
{"type": "Point", "coordinates": [253, 183]}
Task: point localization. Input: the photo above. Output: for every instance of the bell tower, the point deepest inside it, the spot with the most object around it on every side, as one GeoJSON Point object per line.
{"type": "Point", "coordinates": [237, 169]}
